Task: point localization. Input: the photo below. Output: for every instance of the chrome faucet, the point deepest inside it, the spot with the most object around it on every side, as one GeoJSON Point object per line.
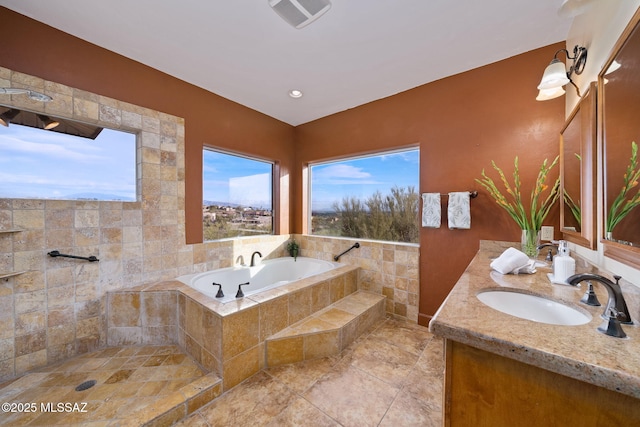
{"type": "Point", "coordinates": [549, 254]}
{"type": "Point", "coordinates": [616, 311]}
{"type": "Point", "coordinates": [253, 261]}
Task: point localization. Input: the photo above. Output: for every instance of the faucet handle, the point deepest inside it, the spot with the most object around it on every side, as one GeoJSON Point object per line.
{"type": "Point", "coordinates": [240, 294]}
{"type": "Point", "coordinates": [220, 294]}
{"type": "Point", "coordinates": [612, 326]}
{"type": "Point", "coordinates": [590, 297]}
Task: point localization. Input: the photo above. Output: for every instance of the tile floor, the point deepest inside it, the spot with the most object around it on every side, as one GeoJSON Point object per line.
{"type": "Point", "coordinates": [133, 385]}
{"type": "Point", "coordinates": [391, 376]}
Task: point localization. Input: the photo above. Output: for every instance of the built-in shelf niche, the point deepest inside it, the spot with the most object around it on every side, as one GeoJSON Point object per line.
{"type": "Point", "coordinates": [11, 273]}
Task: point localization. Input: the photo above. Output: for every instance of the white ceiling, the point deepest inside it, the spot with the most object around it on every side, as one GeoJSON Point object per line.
{"type": "Point", "coordinates": [359, 51]}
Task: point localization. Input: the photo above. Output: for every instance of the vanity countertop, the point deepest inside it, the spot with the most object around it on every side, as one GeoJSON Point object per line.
{"type": "Point", "coordinates": [579, 352]}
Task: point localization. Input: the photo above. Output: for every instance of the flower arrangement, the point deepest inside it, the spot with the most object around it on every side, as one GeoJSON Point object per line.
{"type": "Point", "coordinates": [293, 248]}
{"type": "Point", "coordinates": [539, 208]}
{"type": "Point", "coordinates": [621, 205]}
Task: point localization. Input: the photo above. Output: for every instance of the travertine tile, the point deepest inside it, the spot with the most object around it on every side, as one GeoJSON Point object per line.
{"type": "Point", "coordinates": [352, 397]}
{"type": "Point", "coordinates": [286, 350]}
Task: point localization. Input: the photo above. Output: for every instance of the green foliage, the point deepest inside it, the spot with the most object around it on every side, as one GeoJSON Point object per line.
{"type": "Point", "coordinates": [392, 217]}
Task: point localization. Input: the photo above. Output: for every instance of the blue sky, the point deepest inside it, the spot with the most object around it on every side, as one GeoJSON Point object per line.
{"type": "Point", "coordinates": [35, 163]}
{"type": "Point", "coordinates": [245, 181]}
{"type": "Point", "coordinates": [331, 182]}
{"type": "Point", "coordinates": [235, 179]}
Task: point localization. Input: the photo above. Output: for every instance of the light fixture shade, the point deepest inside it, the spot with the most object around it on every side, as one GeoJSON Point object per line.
{"type": "Point", "coordinates": [546, 94]}
{"type": "Point", "coordinates": [7, 116]}
{"type": "Point", "coordinates": [555, 75]}
{"type": "Point", "coordinates": [48, 122]}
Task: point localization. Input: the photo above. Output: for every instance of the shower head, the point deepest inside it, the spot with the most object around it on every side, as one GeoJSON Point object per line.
{"type": "Point", "coordinates": [36, 96]}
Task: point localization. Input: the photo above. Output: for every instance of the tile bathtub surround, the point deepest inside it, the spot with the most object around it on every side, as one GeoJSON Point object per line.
{"type": "Point", "coordinates": [391, 376]}
{"type": "Point", "coordinates": [389, 269]}
{"type": "Point", "coordinates": [227, 339]}
{"type": "Point", "coordinates": [133, 386]}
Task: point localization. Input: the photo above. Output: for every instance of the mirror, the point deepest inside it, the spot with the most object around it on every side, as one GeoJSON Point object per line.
{"type": "Point", "coordinates": [620, 89]}
{"type": "Point", "coordinates": [577, 166]}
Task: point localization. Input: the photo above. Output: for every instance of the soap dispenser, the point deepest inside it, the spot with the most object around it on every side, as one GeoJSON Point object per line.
{"type": "Point", "coordinates": [563, 265]}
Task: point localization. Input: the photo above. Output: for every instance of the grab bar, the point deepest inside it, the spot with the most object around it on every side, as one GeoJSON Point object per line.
{"type": "Point", "coordinates": [57, 254]}
{"type": "Point", "coordinates": [355, 245]}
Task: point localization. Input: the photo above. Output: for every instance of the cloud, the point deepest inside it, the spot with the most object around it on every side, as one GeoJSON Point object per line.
{"type": "Point", "coordinates": [342, 174]}
{"type": "Point", "coordinates": [49, 146]}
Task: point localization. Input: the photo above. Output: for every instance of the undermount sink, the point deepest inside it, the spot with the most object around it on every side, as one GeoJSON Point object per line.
{"type": "Point", "coordinates": [533, 307]}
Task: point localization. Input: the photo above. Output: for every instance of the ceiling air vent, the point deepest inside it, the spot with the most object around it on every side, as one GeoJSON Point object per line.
{"type": "Point", "coordinates": [300, 13]}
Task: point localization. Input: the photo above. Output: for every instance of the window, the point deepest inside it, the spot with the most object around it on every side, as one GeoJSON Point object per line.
{"type": "Point", "coordinates": [96, 164]}
{"type": "Point", "coordinates": [237, 196]}
{"type": "Point", "coordinates": [373, 197]}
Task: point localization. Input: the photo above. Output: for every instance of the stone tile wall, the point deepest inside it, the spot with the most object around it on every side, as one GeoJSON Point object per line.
{"type": "Point", "coordinates": [390, 269]}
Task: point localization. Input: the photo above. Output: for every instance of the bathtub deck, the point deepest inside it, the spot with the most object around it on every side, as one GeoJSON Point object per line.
{"type": "Point", "coordinates": [140, 385]}
{"type": "Point", "coordinates": [326, 332]}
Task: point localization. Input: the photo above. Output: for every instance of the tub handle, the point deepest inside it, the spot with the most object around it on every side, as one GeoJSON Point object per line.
{"type": "Point", "coordinates": [240, 294]}
{"type": "Point", "coordinates": [220, 294]}
{"type": "Point", "coordinates": [355, 245]}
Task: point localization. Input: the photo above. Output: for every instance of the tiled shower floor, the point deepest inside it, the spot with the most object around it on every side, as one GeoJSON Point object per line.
{"type": "Point", "coordinates": [133, 386]}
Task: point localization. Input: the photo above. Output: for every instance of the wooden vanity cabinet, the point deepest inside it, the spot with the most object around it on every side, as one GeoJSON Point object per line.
{"type": "Point", "coordinates": [485, 389]}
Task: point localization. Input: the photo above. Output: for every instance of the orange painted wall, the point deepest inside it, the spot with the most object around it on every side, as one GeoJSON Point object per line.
{"type": "Point", "coordinates": [461, 123]}
{"type": "Point", "coordinates": [34, 48]}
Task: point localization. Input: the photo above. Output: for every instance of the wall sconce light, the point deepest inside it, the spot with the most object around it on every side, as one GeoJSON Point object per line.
{"type": "Point", "coordinates": [555, 75]}
{"type": "Point", "coordinates": [48, 122]}
{"type": "Point", "coordinates": [36, 96]}
{"type": "Point", "coordinates": [7, 116]}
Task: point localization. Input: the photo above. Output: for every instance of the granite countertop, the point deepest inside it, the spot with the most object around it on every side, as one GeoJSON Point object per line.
{"type": "Point", "coordinates": [579, 352]}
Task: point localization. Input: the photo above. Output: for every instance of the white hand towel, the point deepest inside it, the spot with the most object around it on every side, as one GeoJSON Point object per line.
{"type": "Point", "coordinates": [510, 261]}
{"type": "Point", "coordinates": [431, 210]}
{"type": "Point", "coordinates": [459, 210]}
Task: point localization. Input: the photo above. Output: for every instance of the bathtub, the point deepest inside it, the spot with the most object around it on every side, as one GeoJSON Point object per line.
{"type": "Point", "coordinates": [266, 275]}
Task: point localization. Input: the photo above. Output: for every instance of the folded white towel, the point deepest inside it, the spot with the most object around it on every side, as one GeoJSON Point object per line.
{"type": "Point", "coordinates": [459, 210]}
{"type": "Point", "coordinates": [431, 210]}
{"type": "Point", "coordinates": [510, 261]}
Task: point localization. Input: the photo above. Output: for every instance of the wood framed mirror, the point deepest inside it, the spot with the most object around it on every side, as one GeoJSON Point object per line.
{"type": "Point", "coordinates": [577, 173]}
{"type": "Point", "coordinates": [619, 93]}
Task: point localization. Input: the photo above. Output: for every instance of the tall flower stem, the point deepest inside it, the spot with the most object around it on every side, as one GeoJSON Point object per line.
{"type": "Point", "coordinates": [622, 205]}
{"type": "Point", "coordinates": [539, 205]}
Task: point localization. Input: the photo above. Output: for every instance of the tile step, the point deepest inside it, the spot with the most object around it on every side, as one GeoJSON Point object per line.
{"type": "Point", "coordinates": [326, 332]}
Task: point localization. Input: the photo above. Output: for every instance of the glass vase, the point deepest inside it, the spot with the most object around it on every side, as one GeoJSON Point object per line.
{"type": "Point", "coordinates": [530, 241]}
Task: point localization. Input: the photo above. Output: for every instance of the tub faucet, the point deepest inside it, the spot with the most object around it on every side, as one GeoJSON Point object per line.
{"type": "Point", "coordinates": [616, 311]}
{"type": "Point", "coordinates": [253, 261]}
{"type": "Point", "coordinates": [240, 260]}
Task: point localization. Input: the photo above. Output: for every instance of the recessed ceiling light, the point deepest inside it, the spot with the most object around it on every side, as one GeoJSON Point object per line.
{"type": "Point", "coordinates": [294, 93]}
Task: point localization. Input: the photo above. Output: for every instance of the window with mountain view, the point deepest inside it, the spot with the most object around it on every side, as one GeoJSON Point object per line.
{"type": "Point", "coordinates": [369, 197]}
{"type": "Point", "coordinates": [45, 164]}
{"type": "Point", "coordinates": [237, 196]}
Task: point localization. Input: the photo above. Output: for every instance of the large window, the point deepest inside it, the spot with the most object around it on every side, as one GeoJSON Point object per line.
{"type": "Point", "coordinates": [72, 161]}
{"type": "Point", "coordinates": [237, 196]}
{"type": "Point", "coordinates": [373, 197]}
